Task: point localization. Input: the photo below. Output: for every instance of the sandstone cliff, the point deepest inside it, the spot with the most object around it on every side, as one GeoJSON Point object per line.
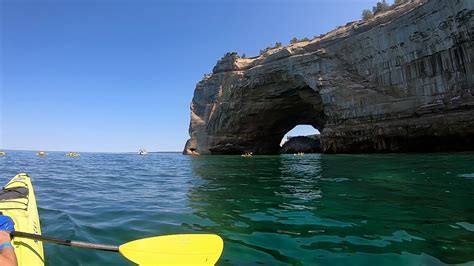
{"type": "Point", "coordinates": [402, 81]}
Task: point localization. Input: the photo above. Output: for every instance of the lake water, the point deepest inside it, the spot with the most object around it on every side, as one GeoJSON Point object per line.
{"type": "Point", "coordinates": [415, 209]}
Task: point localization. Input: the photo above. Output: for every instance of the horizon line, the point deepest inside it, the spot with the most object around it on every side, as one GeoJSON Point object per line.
{"type": "Point", "coordinates": [35, 150]}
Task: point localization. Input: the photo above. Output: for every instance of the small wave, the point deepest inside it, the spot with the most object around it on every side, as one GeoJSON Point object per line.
{"type": "Point", "coordinates": [467, 226]}
{"type": "Point", "coordinates": [336, 179]}
{"type": "Point", "coordinates": [470, 176]}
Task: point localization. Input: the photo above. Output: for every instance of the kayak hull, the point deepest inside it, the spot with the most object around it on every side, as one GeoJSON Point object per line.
{"type": "Point", "coordinates": [17, 200]}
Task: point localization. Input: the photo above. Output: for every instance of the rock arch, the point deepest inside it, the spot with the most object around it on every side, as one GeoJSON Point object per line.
{"type": "Point", "coordinates": [403, 81]}
{"type": "Point", "coordinates": [257, 118]}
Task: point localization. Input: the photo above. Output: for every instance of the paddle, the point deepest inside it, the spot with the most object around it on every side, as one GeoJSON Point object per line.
{"type": "Point", "coordinates": [186, 249]}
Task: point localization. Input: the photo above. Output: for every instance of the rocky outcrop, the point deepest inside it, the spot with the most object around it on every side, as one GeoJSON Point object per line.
{"type": "Point", "coordinates": [402, 81]}
{"type": "Point", "coordinates": [301, 144]}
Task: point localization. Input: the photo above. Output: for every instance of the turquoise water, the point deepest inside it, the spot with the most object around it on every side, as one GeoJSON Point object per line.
{"type": "Point", "coordinates": [271, 210]}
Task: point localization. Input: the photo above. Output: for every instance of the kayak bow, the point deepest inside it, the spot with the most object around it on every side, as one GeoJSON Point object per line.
{"type": "Point", "coordinates": [17, 200]}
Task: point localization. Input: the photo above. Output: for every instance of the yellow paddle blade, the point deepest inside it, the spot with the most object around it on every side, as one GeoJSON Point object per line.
{"type": "Point", "coordinates": [186, 249]}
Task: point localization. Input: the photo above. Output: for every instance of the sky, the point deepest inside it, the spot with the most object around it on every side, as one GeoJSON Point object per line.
{"type": "Point", "coordinates": [117, 76]}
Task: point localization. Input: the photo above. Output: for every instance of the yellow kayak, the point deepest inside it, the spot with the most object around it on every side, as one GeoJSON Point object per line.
{"type": "Point", "coordinates": [17, 200]}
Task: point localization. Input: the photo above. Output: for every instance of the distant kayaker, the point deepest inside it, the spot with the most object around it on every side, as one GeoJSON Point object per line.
{"type": "Point", "coordinates": [7, 253]}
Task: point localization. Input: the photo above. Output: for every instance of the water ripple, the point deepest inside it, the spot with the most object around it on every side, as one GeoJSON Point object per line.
{"type": "Point", "coordinates": [271, 210]}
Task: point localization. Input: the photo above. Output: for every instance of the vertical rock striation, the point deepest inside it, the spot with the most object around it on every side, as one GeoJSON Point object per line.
{"type": "Point", "coordinates": [400, 82]}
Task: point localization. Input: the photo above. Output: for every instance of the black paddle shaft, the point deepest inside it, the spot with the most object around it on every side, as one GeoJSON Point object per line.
{"type": "Point", "coordinates": [65, 242]}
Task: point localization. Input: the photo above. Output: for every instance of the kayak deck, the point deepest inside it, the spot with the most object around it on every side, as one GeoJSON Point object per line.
{"type": "Point", "coordinates": [17, 200]}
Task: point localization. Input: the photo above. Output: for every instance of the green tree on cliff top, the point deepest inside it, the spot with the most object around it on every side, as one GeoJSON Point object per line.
{"type": "Point", "coordinates": [380, 7]}
{"type": "Point", "coordinates": [367, 14]}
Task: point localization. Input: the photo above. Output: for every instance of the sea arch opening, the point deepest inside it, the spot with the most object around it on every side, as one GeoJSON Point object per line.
{"type": "Point", "coordinates": [263, 115]}
{"type": "Point", "coordinates": [296, 106]}
{"type": "Point", "coordinates": [301, 139]}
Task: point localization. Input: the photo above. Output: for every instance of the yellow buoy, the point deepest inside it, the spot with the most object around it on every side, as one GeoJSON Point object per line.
{"type": "Point", "coordinates": [2, 153]}
{"type": "Point", "coordinates": [72, 154]}
{"type": "Point", "coordinates": [41, 153]}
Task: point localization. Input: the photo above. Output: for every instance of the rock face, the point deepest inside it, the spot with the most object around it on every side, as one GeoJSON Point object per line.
{"type": "Point", "coordinates": [402, 81]}
{"type": "Point", "coordinates": [301, 144]}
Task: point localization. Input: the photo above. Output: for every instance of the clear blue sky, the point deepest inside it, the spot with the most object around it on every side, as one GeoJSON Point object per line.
{"type": "Point", "coordinates": [119, 75]}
